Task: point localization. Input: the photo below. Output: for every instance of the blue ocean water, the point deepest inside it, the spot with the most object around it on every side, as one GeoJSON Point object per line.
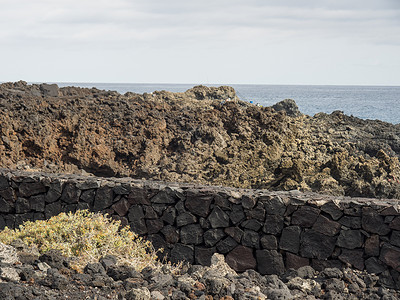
{"type": "Point", "coordinates": [365, 102]}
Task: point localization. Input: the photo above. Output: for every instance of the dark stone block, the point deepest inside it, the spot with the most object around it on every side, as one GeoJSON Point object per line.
{"type": "Point", "coordinates": [27, 189]}
{"type": "Point", "coordinates": [390, 255]}
{"type": "Point", "coordinates": [235, 232]}
{"type": "Point", "coordinates": [158, 242]}
{"type": "Point", "coordinates": [171, 234]}
{"type": "Point", "coordinates": [88, 196]}
{"type": "Point", "coordinates": [154, 226]}
{"type": "Point", "coordinates": [52, 196]}
{"type": "Point", "coordinates": [5, 206]}
{"type": "Point", "coordinates": [139, 196]}
{"type": "Point", "coordinates": [316, 245]}
{"type": "Point", "coordinates": [372, 246]}
{"type": "Point", "coordinates": [273, 224]}
{"type": "Point", "coordinates": [395, 224]}
{"type": "Point", "coordinates": [353, 209]}
{"type": "Point", "coordinates": [52, 209]}
{"type": "Point", "coordinates": [213, 236]}
{"type": "Point", "coordinates": [121, 189]}
{"type": "Point", "coordinates": [251, 239]}
{"type": "Point", "coordinates": [37, 203]}
{"type": "Point", "coordinates": [325, 226]}
{"type": "Point", "coordinates": [274, 205]}
{"type": "Point", "coordinates": [121, 207]}
{"type": "Point", "coordinates": [164, 197]}
{"type": "Point", "coordinates": [169, 215]}
{"type": "Point", "coordinates": [290, 239]}
{"type": "Point", "coordinates": [8, 194]}
{"type": "Point", "coordinates": [82, 206]}
{"type": "Point", "coordinates": [21, 205]}
{"type": "Point", "coordinates": [269, 242]}
{"type": "Point", "coordinates": [350, 239]}
{"type": "Point", "coordinates": [103, 199]}
{"type": "Point", "coordinates": [251, 224]}
{"type": "Point", "coordinates": [70, 194]}
{"type": "Point", "coordinates": [373, 265]}
{"type": "Point", "coordinates": [305, 216]}
{"type": "Point", "coordinates": [248, 202]}
{"type": "Point", "coordinates": [4, 183]}
{"type": "Point", "coordinates": [269, 262]}
{"type": "Point", "coordinates": [257, 212]}
{"type": "Point", "coordinates": [237, 215]}
{"type": "Point", "coordinates": [150, 213]}
{"type": "Point", "coordinates": [136, 220]}
{"type": "Point", "coordinates": [222, 202]}
{"type": "Point", "coordinates": [226, 245]}
{"type": "Point", "coordinates": [353, 257]}
{"type": "Point", "coordinates": [185, 219]}
{"type": "Point", "coordinates": [203, 255]}
{"type": "Point", "coordinates": [332, 209]}
{"type": "Point", "coordinates": [351, 222]}
{"type": "Point", "coordinates": [199, 204]}
{"type": "Point", "coordinates": [158, 208]}
{"type": "Point", "coordinates": [204, 223]}
{"type": "Point", "coordinates": [241, 259]}
{"type": "Point", "coordinates": [182, 252]}
{"type": "Point", "coordinates": [192, 234]}
{"type": "Point", "coordinates": [294, 261]}
{"type": "Point", "coordinates": [373, 222]}
{"type": "Point", "coordinates": [218, 218]}
{"type": "Point", "coordinates": [395, 238]}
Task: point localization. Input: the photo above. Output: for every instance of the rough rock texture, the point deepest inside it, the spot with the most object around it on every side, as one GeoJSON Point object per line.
{"type": "Point", "coordinates": [196, 136]}
{"type": "Point", "coordinates": [38, 278]}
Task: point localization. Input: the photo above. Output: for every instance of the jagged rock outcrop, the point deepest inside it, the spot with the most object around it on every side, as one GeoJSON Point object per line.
{"type": "Point", "coordinates": [205, 135]}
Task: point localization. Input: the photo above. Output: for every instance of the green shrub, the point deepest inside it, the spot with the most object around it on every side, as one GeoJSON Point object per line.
{"type": "Point", "coordinates": [87, 236]}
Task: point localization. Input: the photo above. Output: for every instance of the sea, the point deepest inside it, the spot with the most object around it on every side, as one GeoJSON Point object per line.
{"type": "Point", "coordinates": [365, 102]}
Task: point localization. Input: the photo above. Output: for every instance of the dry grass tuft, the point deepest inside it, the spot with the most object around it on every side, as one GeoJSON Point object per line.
{"type": "Point", "coordinates": [87, 236]}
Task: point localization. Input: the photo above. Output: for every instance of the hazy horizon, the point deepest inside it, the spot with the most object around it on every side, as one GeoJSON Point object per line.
{"type": "Point", "coordinates": [286, 42]}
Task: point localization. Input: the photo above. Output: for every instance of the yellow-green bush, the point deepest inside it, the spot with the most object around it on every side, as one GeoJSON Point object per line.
{"type": "Point", "coordinates": [85, 235]}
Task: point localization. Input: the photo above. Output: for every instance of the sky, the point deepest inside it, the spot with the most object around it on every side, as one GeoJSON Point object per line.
{"type": "Point", "coordinates": [321, 42]}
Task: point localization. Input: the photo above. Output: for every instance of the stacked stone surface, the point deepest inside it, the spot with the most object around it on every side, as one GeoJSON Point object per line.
{"type": "Point", "coordinates": [270, 232]}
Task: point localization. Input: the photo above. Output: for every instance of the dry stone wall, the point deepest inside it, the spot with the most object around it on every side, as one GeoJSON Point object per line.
{"type": "Point", "coordinates": [255, 229]}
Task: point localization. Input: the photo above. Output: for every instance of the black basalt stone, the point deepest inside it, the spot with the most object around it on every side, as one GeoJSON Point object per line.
{"type": "Point", "coordinates": [274, 205]}
{"type": "Point", "coordinates": [182, 252]}
{"type": "Point", "coordinates": [37, 203]}
{"type": "Point", "coordinates": [103, 199]}
{"type": "Point", "coordinates": [350, 239]}
{"type": "Point", "coordinates": [226, 245]}
{"type": "Point", "coordinates": [191, 234]}
{"type": "Point", "coordinates": [373, 222]}
{"type": "Point", "coordinates": [198, 204]}
{"type": "Point", "coordinates": [218, 218]}
{"type": "Point", "coordinates": [273, 224]}
{"type": "Point", "coordinates": [22, 205]}
{"type": "Point", "coordinates": [213, 236]}
{"type": "Point", "coordinates": [269, 262]}
{"type": "Point", "coordinates": [52, 209]}
{"type": "Point", "coordinates": [203, 255]}
{"type": "Point", "coordinates": [305, 216]}
{"type": "Point", "coordinates": [251, 239]}
{"type": "Point", "coordinates": [70, 194]}
{"type": "Point", "coordinates": [290, 239]}
{"type": "Point", "coordinates": [185, 218]}
{"type": "Point", "coordinates": [316, 245]}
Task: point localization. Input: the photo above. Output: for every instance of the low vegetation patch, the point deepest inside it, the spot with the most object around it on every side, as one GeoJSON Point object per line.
{"type": "Point", "coordinates": [87, 236]}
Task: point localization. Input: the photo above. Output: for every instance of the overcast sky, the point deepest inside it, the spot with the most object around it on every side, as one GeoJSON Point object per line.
{"type": "Point", "coordinates": [209, 41]}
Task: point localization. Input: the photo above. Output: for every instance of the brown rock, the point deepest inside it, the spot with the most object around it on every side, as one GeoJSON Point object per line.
{"type": "Point", "coordinates": [241, 259]}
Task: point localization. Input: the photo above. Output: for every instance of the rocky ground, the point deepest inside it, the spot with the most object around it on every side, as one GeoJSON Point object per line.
{"type": "Point", "coordinates": [25, 275]}
{"type": "Point", "coordinates": [196, 136]}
